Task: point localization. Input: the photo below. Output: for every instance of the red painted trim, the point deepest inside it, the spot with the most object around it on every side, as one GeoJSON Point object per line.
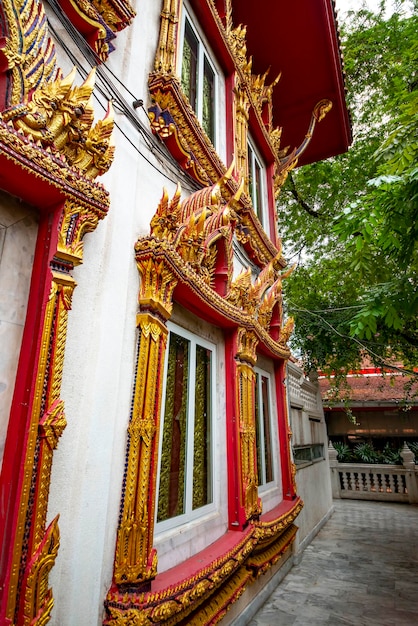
{"type": "Point", "coordinates": [230, 119]}
{"type": "Point", "coordinates": [287, 483]}
{"type": "Point", "coordinates": [232, 435]}
{"type": "Point", "coordinates": [95, 31]}
{"type": "Point", "coordinates": [272, 213]}
{"type": "Point", "coordinates": [203, 559]}
{"type": "Point", "coordinates": [203, 11]}
{"type": "Point", "coordinates": [260, 137]}
{"type": "Point", "coordinates": [279, 511]}
{"type": "Point", "coordinates": [18, 429]}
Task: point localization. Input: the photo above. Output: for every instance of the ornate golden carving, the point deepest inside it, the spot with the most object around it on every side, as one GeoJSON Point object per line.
{"type": "Point", "coordinates": [78, 219]}
{"type": "Point", "coordinates": [116, 13]}
{"type": "Point", "coordinates": [286, 331]}
{"type": "Point", "coordinates": [270, 300]}
{"type": "Point", "coordinates": [52, 170]}
{"type": "Point", "coordinates": [60, 116]}
{"type": "Point", "coordinates": [174, 603]}
{"type": "Point", "coordinates": [237, 39]}
{"type": "Point", "coordinates": [288, 163]}
{"type": "Point", "coordinates": [242, 105]}
{"type": "Point", "coordinates": [47, 417]}
{"type": "Point", "coordinates": [100, 18]}
{"type": "Point", "coordinates": [87, 10]}
{"type": "Point", "coordinates": [52, 424]}
{"type": "Point", "coordinates": [264, 557]}
{"type": "Point", "coordinates": [204, 597]}
{"type": "Point", "coordinates": [265, 531]}
{"type": "Point", "coordinates": [247, 343]}
{"type": "Point", "coordinates": [194, 228]}
{"type": "Point", "coordinates": [187, 239]}
{"type": "Point", "coordinates": [165, 60]}
{"type": "Point", "coordinates": [136, 560]}
{"type": "Point", "coordinates": [157, 284]}
{"type": "Point", "coordinates": [27, 32]}
{"type": "Point", "coordinates": [262, 97]}
{"type": "Point", "coordinates": [173, 116]}
{"type": "Point", "coordinates": [247, 346]}
{"type": "Point", "coordinates": [38, 600]}
{"type": "Point", "coordinates": [176, 123]}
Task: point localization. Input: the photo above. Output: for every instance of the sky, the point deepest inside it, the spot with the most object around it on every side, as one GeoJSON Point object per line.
{"type": "Point", "coordinates": [346, 5]}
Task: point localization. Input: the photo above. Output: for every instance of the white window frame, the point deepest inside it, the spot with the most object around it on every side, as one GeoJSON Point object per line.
{"type": "Point", "coordinates": [190, 514]}
{"type": "Point", "coordinates": [274, 442]}
{"type": "Point", "coordinates": [204, 53]}
{"type": "Point", "coordinates": [261, 208]}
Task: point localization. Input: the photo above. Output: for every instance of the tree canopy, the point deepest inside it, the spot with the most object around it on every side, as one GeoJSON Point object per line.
{"type": "Point", "coordinates": [350, 223]}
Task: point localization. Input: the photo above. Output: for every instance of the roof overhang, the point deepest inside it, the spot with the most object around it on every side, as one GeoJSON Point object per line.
{"type": "Point", "coordinates": [300, 41]}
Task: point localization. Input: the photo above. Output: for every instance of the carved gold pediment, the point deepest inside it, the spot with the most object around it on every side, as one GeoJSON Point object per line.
{"type": "Point", "coordinates": [174, 121]}
{"type": "Point", "coordinates": [99, 21]}
{"type": "Point", "coordinates": [192, 240]}
{"type": "Point", "coordinates": [59, 118]}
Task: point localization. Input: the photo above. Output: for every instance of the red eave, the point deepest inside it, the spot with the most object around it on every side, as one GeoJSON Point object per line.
{"type": "Point", "coordinates": [300, 40]}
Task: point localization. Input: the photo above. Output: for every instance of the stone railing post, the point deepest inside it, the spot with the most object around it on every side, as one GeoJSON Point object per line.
{"type": "Point", "coordinates": [411, 477]}
{"type": "Point", "coordinates": [333, 464]}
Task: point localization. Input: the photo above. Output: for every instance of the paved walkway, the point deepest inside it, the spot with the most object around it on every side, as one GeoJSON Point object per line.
{"type": "Point", "coordinates": [361, 569]}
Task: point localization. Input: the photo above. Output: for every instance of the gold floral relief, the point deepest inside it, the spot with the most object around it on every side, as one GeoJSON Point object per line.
{"type": "Point", "coordinates": [135, 559]}
{"type": "Point", "coordinates": [165, 60]}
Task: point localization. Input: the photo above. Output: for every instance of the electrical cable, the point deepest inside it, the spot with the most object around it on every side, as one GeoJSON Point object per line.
{"type": "Point", "coordinates": [110, 92]}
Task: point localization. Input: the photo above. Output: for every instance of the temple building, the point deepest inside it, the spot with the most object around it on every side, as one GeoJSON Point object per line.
{"type": "Point", "coordinates": [147, 473]}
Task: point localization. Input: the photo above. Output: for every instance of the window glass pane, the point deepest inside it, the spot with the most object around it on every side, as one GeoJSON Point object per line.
{"type": "Point", "coordinates": [257, 200]}
{"type": "Point", "coordinates": [256, 173]}
{"type": "Point", "coordinates": [263, 430]}
{"type": "Point", "coordinates": [250, 160]}
{"type": "Point", "coordinates": [171, 497]}
{"type": "Point", "coordinates": [267, 430]}
{"type": "Point", "coordinates": [202, 470]}
{"type": "Point", "coordinates": [189, 67]}
{"type": "Point", "coordinates": [258, 434]}
{"type": "Point", "coordinates": [208, 116]}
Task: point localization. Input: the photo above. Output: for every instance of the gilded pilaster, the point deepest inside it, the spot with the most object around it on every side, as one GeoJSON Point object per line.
{"type": "Point", "coordinates": [242, 106]}
{"type": "Point", "coordinates": [246, 359]}
{"type": "Point", "coordinates": [165, 60]}
{"type": "Point", "coordinates": [46, 425]}
{"type": "Point", "coordinates": [38, 600]}
{"type": "Point", "coordinates": [136, 559]}
{"type": "Point", "coordinates": [52, 421]}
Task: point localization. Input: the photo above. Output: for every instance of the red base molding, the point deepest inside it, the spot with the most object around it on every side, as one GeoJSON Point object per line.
{"type": "Point", "coordinates": [201, 589]}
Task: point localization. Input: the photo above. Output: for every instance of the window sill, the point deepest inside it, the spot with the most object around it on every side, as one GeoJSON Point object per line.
{"type": "Point", "coordinates": [236, 557]}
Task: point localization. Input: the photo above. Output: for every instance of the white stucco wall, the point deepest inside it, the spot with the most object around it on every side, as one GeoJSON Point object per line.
{"type": "Point", "coordinates": [313, 479]}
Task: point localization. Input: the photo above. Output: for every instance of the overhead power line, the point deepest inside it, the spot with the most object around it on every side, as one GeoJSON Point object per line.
{"type": "Point", "coordinates": [106, 87]}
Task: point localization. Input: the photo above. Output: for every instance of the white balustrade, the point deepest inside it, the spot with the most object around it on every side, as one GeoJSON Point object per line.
{"type": "Point", "coordinates": [361, 481]}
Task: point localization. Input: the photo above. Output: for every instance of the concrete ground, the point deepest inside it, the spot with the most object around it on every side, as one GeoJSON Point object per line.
{"type": "Point", "coordinates": [361, 569]}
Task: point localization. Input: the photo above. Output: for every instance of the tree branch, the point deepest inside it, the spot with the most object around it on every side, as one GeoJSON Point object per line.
{"type": "Point", "coordinates": [295, 193]}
